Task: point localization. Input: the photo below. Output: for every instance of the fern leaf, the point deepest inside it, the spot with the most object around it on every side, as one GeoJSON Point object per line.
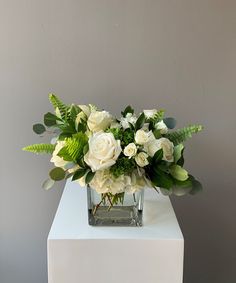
{"type": "Point", "coordinates": [40, 148]}
{"type": "Point", "coordinates": [58, 104]}
{"type": "Point", "coordinates": [158, 116]}
{"type": "Point", "coordinates": [73, 149]}
{"type": "Point", "coordinates": [183, 134]}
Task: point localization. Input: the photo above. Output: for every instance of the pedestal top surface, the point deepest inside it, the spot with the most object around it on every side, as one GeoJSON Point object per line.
{"type": "Point", "coordinates": [71, 219]}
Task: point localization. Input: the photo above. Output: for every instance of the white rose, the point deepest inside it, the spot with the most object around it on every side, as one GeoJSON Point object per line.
{"type": "Point", "coordinates": [99, 121]}
{"type": "Point", "coordinates": [149, 113]}
{"type": "Point", "coordinates": [168, 148]}
{"type": "Point", "coordinates": [142, 137]}
{"type": "Point", "coordinates": [162, 127]}
{"type": "Point", "coordinates": [115, 125]}
{"type": "Point", "coordinates": [141, 159]}
{"type": "Point", "coordinates": [129, 119]}
{"type": "Point", "coordinates": [57, 160]}
{"type": "Point", "coordinates": [103, 151]}
{"type": "Point", "coordinates": [130, 150]}
{"type": "Point", "coordinates": [86, 109]}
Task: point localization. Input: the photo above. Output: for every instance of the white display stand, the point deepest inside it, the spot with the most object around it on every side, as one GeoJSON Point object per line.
{"type": "Point", "coordinates": [79, 253]}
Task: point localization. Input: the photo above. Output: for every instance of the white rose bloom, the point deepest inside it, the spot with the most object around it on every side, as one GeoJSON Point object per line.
{"type": "Point", "coordinates": [103, 151]}
{"type": "Point", "coordinates": [57, 160]}
{"type": "Point", "coordinates": [99, 120]}
{"type": "Point", "coordinates": [150, 112]}
{"type": "Point", "coordinates": [85, 109]}
{"type": "Point", "coordinates": [168, 148]}
{"type": "Point", "coordinates": [130, 118]}
{"type": "Point", "coordinates": [162, 127]}
{"type": "Point", "coordinates": [142, 137]}
{"type": "Point", "coordinates": [115, 125]}
{"type": "Point", "coordinates": [141, 159]}
{"type": "Point", "coordinates": [130, 150]}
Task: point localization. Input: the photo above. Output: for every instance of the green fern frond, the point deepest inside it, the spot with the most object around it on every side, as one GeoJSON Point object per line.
{"type": "Point", "coordinates": [57, 103]}
{"type": "Point", "coordinates": [158, 116]}
{"type": "Point", "coordinates": [40, 148]}
{"type": "Point", "coordinates": [183, 134]}
{"type": "Point", "coordinates": [74, 147]}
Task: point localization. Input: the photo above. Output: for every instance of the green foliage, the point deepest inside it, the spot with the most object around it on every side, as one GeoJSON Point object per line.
{"type": "Point", "coordinates": [48, 184]}
{"type": "Point", "coordinates": [140, 122]}
{"type": "Point", "coordinates": [117, 133]}
{"type": "Point", "coordinates": [39, 129]}
{"type": "Point", "coordinates": [128, 137]}
{"type": "Point", "coordinates": [157, 157]}
{"type": "Point", "coordinates": [123, 166]}
{"type": "Point", "coordinates": [57, 103]}
{"type": "Point", "coordinates": [40, 148]}
{"type": "Point", "coordinates": [57, 174]}
{"type": "Point", "coordinates": [50, 119]}
{"type": "Point", "coordinates": [73, 149]}
{"type": "Point", "coordinates": [158, 116]}
{"type": "Point", "coordinates": [160, 178]}
{"type": "Point", "coordinates": [178, 152]}
{"type": "Point", "coordinates": [127, 110]}
{"type": "Point", "coordinates": [73, 111]}
{"type": "Point", "coordinates": [89, 176]}
{"type": "Point", "coordinates": [79, 174]}
{"type": "Point", "coordinates": [183, 134]}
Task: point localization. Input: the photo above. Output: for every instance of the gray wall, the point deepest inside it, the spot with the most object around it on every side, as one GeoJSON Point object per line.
{"type": "Point", "coordinates": [179, 55]}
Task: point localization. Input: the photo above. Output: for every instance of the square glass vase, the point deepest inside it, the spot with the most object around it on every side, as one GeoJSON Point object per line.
{"type": "Point", "coordinates": [127, 213]}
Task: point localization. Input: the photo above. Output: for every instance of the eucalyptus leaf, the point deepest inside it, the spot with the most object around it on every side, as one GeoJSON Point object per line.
{"type": "Point", "coordinates": [57, 174]}
{"type": "Point", "coordinates": [48, 184]}
{"type": "Point", "coordinates": [50, 119]}
{"type": "Point", "coordinates": [39, 128]}
{"type": "Point", "coordinates": [170, 122]}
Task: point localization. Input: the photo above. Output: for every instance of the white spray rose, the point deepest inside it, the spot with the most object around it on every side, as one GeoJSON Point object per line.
{"type": "Point", "coordinates": [79, 118]}
{"type": "Point", "coordinates": [129, 119]}
{"type": "Point", "coordinates": [149, 113]}
{"type": "Point", "coordinates": [103, 151]}
{"type": "Point", "coordinates": [57, 160]}
{"type": "Point", "coordinates": [162, 127]}
{"type": "Point", "coordinates": [141, 159]}
{"type": "Point", "coordinates": [130, 150]}
{"type": "Point", "coordinates": [142, 137]}
{"type": "Point", "coordinates": [168, 148]}
{"type": "Point", "coordinates": [99, 121]}
{"type": "Point", "coordinates": [85, 109]}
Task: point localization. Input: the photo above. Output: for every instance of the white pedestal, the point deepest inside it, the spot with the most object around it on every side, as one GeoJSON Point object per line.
{"type": "Point", "coordinates": [79, 253]}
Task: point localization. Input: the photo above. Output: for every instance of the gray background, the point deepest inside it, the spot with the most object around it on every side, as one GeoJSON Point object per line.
{"type": "Point", "coordinates": [179, 55]}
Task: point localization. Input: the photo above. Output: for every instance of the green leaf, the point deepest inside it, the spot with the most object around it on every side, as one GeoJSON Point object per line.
{"type": "Point", "coordinates": [183, 134]}
{"type": "Point", "coordinates": [127, 110]}
{"type": "Point", "coordinates": [57, 103]}
{"type": "Point", "coordinates": [48, 184]}
{"type": "Point", "coordinates": [196, 187]}
{"type": "Point", "coordinates": [184, 184]}
{"type": "Point", "coordinates": [78, 174]}
{"type": "Point", "coordinates": [50, 119]}
{"type": "Point", "coordinates": [39, 129]}
{"type": "Point", "coordinates": [178, 150]}
{"type": "Point", "coordinates": [57, 174]}
{"type": "Point", "coordinates": [178, 173]}
{"type": "Point", "coordinates": [161, 179]}
{"type": "Point", "coordinates": [89, 177]}
{"type": "Point", "coordinates": [74, 111]}
{"type": "Point", "coordinates": [158, 156]}
{"type": "Point", "coordinates": [157, 133]}
{"type": "Point", "coordinates": [140, 122]}
{"type": "Point", "coordinates": [40, 148]}
{"type": "Point", "coordinates": [158, 117]}
{"type": "Point", "coordinates": [85, 149]}
{"type": "Point", "coordinates": [170, 122]}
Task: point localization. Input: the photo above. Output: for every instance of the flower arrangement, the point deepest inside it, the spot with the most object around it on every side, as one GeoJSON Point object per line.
{"type": "Point", "coordinates": [113, 155]}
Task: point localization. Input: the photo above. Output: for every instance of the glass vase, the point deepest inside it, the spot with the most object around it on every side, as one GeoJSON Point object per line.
{"type": "Point", "coordinates": [127, 211]}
